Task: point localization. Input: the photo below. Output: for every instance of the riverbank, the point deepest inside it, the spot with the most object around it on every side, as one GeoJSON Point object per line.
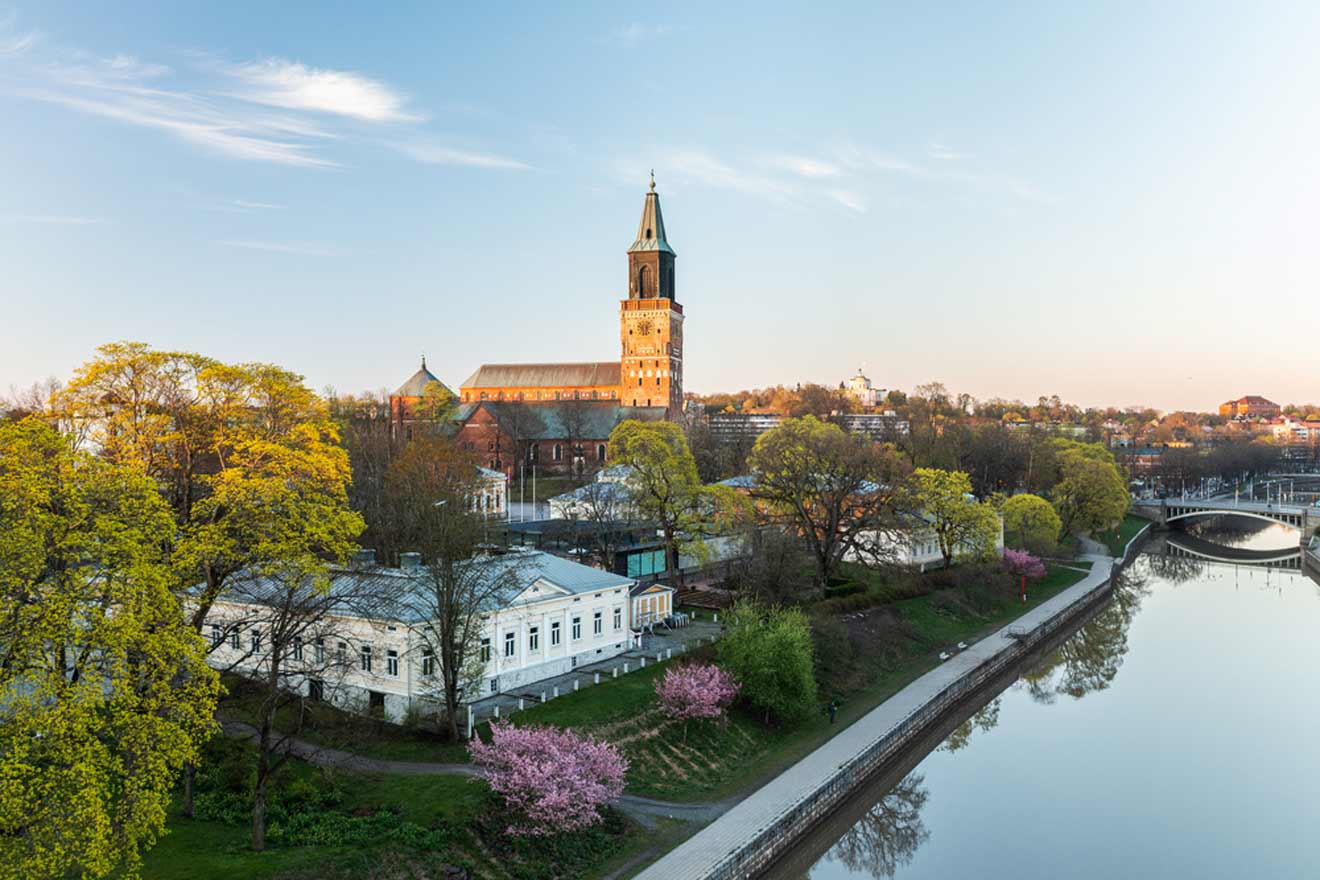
{"type": "Point", "coordinates": [753, 833]}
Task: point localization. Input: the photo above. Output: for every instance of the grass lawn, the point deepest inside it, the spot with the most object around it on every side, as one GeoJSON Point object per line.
{"type": "Point", "coordinates": [1117, 539]}
{"type": "Point", "coordinates": [710, 762]}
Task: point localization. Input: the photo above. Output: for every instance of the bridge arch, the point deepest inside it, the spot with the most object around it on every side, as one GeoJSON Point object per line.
{"type": "Point", "coordinates": [1292, 520]}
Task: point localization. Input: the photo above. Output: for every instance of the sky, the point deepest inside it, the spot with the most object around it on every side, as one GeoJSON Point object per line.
{"type": "Point", "coordinates": [1114, 203]}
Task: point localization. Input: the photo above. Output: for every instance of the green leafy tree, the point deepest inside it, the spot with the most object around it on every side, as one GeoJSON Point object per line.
{"type": "Point", "coordinates": [962, 525]}
{"type": "Point", "coordinates": [834, 489]}
{"type": "Point", "coordinates": [1030, 523]}
{"type": "Point", "coordinates": [666, 490]}
{"type": "Point", "coordinates": [1091, 493]}
{"type": "Point", "coordinates": [768, 649]}
{"type": "Point", "coordinates": [104, 689]}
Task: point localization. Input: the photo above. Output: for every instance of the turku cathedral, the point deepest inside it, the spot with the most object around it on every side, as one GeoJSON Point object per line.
{"type": "Point", "coordinates": [559, 416]}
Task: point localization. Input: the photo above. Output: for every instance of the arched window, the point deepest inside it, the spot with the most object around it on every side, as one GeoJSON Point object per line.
{"type": "Point", "coordinates": [559, 452]}
{"type": "Point", "coordinates": [644, 282]}
{"type": "Point", "coordinates": [600, 451]}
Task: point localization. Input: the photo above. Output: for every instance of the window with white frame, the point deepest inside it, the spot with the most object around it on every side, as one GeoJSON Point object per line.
{"type": "Point", "coordinates": [559, 452]}
{"type": "Point", "coordinates": [318, 650]}
{"type": "Point", "coordinates": [365, 660]}
{"type": "Point", "coordinates": [341, 653]}
{"type": "Point", "coordinates": [256, 641]}
{"type": "Point", "coordinates": [554, 633]}
{"type": "Point", "coordinates": [233, 639]}
{"type": "Point", "coordinates": [297, 648]}
{"type": "Point", "coordinates": [510, 644]}
{"type": "Point", "coordinates": [485, 650]}
{"type": "Point", "coordinates": [577, 628]}
{"type": "Point", "coordinates": [618, 617]}
{"type": "Point", "coordinates": [392, 663]}
{"type": "Point", "coordinates": [597, 623]}
{"type": "Point", "coordinates": [428, 662]}
{"type": "Point", "coordinates": [217, 635]}
{"type": "Point", "coordinates": [534, 638]}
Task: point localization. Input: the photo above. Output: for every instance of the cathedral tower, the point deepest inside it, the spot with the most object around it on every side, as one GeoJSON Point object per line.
{"type": "Point", "coordinates": [651, 320]}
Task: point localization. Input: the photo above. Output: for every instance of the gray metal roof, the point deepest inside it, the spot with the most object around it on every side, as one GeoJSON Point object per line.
{"type": "Point", "coordinates": [594, 374]}
{"type": "Point", "coordinates": [416, 385]}
{"type": "Point", "coordinates": [381, 593]}
{"type": "Point", "coordinates": [561, 420]}
{"type": "Point", "coordinates": [651, 229]}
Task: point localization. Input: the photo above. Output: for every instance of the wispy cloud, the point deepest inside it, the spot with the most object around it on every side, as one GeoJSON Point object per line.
{"type": "Point", "coordinates": [806, 167]}
{"type": "Point", "coordinates": [278, 247]}
{"type": "Point", "coordinates": [437, 155]}
{"type": "Point", "coordinates": [245, 205]}
{"type": "Point", "coordinates": [276, 82]}
{"type": "Point", "coordinates": [708, 169]}
{"type": "Point", "coordinates": [849, 199]}
{"type": "Point", "coordinates": [635, 32]}
{"type": "Point", "coordinates": [50, 219]}
{"type": "Point", "coordinates": [941, 153]}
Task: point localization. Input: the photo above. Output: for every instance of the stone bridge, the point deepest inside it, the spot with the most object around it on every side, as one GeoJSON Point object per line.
{"type": "Point", "coordinates": [1167, 510]}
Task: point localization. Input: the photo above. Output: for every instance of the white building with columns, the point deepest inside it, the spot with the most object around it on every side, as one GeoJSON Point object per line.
{"type": "Point", "coordinates": [549, 616]}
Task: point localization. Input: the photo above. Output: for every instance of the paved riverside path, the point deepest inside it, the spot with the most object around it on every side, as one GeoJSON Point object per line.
{"type": "Point", "coordinates": [695, 858]}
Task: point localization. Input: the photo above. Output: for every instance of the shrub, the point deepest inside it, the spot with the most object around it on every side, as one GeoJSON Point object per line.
{"type": "Point", "coordinates": [768, 649]}
{"type": "Point", "coordinates": [551, 780]}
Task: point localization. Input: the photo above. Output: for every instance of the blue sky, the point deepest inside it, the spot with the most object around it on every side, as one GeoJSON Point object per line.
{"type": "Point", "coordinates": [1116, 204]}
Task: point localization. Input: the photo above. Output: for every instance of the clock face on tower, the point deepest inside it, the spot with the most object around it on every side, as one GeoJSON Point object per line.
{"type": "Point", "coordinates": [645, 327]}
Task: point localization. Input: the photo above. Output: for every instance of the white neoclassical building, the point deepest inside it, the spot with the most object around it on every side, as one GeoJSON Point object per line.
{"type": "Point", "coordinates": [548, 616]}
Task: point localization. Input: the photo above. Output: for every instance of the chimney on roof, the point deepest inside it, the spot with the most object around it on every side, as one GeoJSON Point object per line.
{"type": "Point", "coordinates": [363, 557]}
{"type": "Point", "coordinates": [411, 561]}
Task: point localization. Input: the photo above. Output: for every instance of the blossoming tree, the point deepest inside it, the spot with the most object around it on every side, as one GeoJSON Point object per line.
{"type": "Point", "coordinates": [695, 691]}
{"type": "Point", "coordinates": [551, 780]}
{"type": "Point", "coordinates": [1020, 563]}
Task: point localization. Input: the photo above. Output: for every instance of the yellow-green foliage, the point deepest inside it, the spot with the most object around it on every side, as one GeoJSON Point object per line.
{"type": "Point", "coordinates": [962, 526]}
{"type": "Point", "coordinates": [1030, 523]}
{"type": "Point", "coordinates": [104, 690]}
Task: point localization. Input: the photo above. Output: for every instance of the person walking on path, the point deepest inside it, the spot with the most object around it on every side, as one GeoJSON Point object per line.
{"type": "Point", "coordinates": [832, 709]}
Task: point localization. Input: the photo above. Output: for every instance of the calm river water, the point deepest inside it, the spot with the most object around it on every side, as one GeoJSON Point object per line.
{"type": "Point", "coordinates": [1175, 735]}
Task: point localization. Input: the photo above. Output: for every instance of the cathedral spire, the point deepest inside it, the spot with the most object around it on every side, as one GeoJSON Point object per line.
{"type": "Point", "coordinates": [651, 229]}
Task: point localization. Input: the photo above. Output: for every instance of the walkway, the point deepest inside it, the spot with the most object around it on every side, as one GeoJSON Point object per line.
{"type": "Point", "coordinates": [699, 857]}
{"type": "Point", "coordinates": [324, 756]}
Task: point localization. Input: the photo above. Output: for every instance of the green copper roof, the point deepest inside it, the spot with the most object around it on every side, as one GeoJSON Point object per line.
{"type": "Point", "coordinates": [651, 231]}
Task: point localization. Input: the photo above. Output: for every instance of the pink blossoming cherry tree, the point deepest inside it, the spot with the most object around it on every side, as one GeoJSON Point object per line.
{"type": "Point", "coordinates": [551, 780]}
{"type": "Point", "coordinates": [695, 691]}
{"type": "Point", "coordinates": [1020, 563]}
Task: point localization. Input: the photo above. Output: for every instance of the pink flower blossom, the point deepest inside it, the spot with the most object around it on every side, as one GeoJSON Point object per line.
{"type": "Point", "coordinates": [1021, 563]}
{"type": "Point", "coordinates": [695, 691]}
{"type": "Point", "coordinates": [551, 780]}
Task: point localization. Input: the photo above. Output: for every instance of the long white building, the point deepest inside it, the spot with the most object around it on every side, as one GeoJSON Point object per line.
{"type": "Point", "coordinates": [547, 617]}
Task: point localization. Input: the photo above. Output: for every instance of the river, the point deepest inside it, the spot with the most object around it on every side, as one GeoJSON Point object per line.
{"type": "Point", "coordinates": [1172, 736]}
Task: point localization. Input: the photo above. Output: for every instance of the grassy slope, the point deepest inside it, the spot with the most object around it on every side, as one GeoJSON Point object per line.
{"type": "Point", "coordinates": [713, 762]}
{"type": "Point", "coordinates": [1117, 539]}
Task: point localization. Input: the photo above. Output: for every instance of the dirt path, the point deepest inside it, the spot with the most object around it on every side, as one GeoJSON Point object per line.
{"type": "Point", "coordinates": [641, 808]}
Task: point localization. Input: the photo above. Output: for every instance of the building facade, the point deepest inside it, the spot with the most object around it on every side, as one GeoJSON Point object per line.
{"type": "Point", "coordinates": [649, 371]}
{"type": "Point", "coordinates": [369, 655]}
{"type": "Point", "coordinates": [1252, 406]}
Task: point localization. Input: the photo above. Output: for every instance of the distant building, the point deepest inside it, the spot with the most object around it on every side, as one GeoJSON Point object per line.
{"type": "Point", "coordinates": [860, 388]}
{"type": "Point", "coordinates": [412, 403]}
{"type": "Point", "coordinates": [742, 426]}
{"type": "Point", "coordinates": [1250, 407]}
{"type": "Point", "coordinates": [877, 426]}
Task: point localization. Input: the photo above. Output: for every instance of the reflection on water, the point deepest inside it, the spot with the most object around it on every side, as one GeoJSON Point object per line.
{"type": "Point", "coordinates": [1170, 737]}
{"type": "Point", "coordinates": [1243, 533]}
{"type": "Point", "coordinates": [888, 834]}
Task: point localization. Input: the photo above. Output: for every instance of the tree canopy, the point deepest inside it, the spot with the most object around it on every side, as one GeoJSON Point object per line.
{"type": "Point", "coordinates": [104, 689]}
{"type": "Point", "coordinates": [962, 525]}
{"type": "Point", "coordinates": [1091, 493]}
{"type": "Point", "coordinates": [769, 652]}
{"type": "Point", "coordinates": [1030, 523]}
